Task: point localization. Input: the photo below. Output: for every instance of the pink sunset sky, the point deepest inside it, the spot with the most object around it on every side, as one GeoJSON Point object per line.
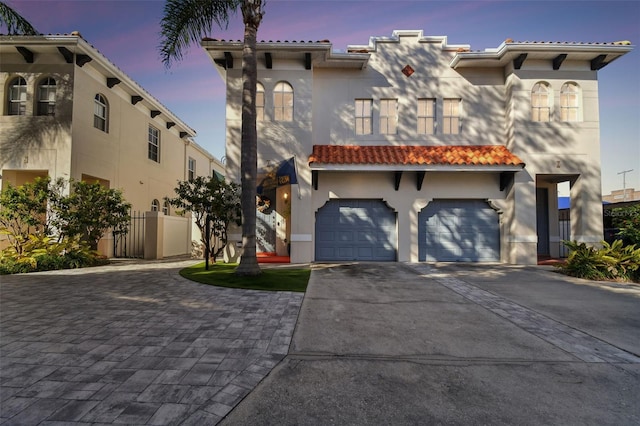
{"type": "Point", "coordinates": [127, 32]}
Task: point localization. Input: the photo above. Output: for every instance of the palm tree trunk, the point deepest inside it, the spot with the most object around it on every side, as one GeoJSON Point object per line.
{"type": "Point", "coordinates": [249, 145]}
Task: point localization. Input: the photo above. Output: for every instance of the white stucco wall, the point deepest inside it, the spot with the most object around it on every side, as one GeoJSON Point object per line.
{"type": "Point", "coordinates": [495, 110]}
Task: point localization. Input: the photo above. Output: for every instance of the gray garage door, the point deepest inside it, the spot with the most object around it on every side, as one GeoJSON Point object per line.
{"type": "Point", "coordinates": [356, 230]}
{"type": "Point", "coordinates": [459, 231]}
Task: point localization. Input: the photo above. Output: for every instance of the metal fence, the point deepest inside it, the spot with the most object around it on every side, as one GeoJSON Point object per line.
{"type": "Point", "coordinates": [131, 243]}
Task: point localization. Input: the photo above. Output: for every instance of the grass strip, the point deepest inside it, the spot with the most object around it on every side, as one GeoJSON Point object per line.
{"type": "Point", "coordinates": [271, 279]}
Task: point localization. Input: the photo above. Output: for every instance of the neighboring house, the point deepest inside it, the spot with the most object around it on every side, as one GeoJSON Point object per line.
{"type": "Point", "coordinates": [622, 195]}
{"type": "Point", "coordinates": [411, 149]}
{"type": "Point", "coordinates": [68, 112]}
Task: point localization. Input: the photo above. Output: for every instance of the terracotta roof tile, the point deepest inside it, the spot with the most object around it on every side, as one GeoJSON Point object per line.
{"type": "Point", "coordinates": [486, 155]}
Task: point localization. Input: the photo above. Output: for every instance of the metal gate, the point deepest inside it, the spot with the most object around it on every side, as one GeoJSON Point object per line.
{"type": "Point", "coordinates": [564, 230]}
{"type": "Point", "coordinates": [131, 243]}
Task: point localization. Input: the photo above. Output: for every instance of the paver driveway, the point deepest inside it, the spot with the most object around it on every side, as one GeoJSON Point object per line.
{"type": "Point", "coordinates": [134, 344]}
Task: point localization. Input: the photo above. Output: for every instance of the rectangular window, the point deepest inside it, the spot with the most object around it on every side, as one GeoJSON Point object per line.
{"type": "Point", "coordinates": [451, 116]}
{"type": "Point", "coordinates": [154, 144]}
{"type": "Point", "coordinates": [363, 116]}
{"type": "Point", "coordinates": [426, 116]}
{"type": "Point", "coordinates": [192, 168]}
{"type": "Point", "coordinates": [388, 116]}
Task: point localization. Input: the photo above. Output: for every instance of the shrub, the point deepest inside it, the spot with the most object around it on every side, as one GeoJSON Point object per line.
{"type": "Point", "coordinates": [627, 220]}
{"type": "Point", "coordinates": [42, 253]}
{"type": "Point", "coordinates": [611, 262]}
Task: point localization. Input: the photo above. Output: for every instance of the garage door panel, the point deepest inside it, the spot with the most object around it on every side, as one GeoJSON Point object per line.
{"type": "Point", "coordinates": [364, 237]}
{"type": "Point", "coordinates": [345, 252]}
{"type": "Point", "coordinates": [327, 236]}
{"type": "Point", "coordinates": [345, 236]}
{"type": "Point", "coordinates": [365, 253]}
{"type": "Point", "coordinates": [459, 230]}
{"type": "Point", "coordinates": [363, 230]}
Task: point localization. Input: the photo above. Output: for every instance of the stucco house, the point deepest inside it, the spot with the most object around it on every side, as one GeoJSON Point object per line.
{"type": "Point", "coordinates": [68, 112]}
{"type": "Point", "coordinates": [412, 149]}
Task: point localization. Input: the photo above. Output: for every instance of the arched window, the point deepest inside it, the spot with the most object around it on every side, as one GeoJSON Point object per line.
{"type": "Point", "coordinates": [283, 102]}
{"type": "Point", "coordinates": [47, 97]}
{"type": "Point", "coordinates": [259, 102]}
{"type": "Point", "coordinates": [540, 102]}
{"type": "Point", "coordinates": [17, 101]}
{"type": "Point", "coordinates": [570, 102]}
{"type": "Point", "coordinates": [165, 208]}
{"type": "Point", "coordinates": [100, 113]}
{"type": "Point", "coordinates": [155, 206]}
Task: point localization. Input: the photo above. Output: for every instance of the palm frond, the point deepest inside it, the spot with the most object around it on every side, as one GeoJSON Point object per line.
{"type": "Point", "coordinates": [14, 22]}
{"type": "Point", "coordinates": [187, 21]}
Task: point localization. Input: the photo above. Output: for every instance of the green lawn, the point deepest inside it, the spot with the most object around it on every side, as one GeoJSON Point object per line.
{"type": "Point", "coordinates": [273, 279]}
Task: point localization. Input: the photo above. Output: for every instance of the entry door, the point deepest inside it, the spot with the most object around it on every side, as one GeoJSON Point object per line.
{"type": "Point", "coordinates": [542, 220]}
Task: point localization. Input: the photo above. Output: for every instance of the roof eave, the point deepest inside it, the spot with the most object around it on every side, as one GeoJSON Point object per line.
{"type": "Point", "coordinates": [506, 48]}
{"type": "Point", "coordinates": [415, 167]}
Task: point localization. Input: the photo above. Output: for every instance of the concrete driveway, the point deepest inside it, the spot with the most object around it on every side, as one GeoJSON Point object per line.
{"type": "Point", "coordinates": [408, 344]}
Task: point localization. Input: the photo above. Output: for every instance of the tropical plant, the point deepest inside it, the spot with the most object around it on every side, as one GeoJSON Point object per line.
{"type": "Point", "coordinates": [188, 21]}
{"type": "Point", "coordinates": [14, 22]}
{"type": "Point", "coordinates": [43, 253]}
{"type": "Point", "coordinates": [90, 210]}
{"type": "Point", "coordinates": [214, 204]}
{"type": "Point", "coordinates": [25, 210]}
{"type": "Point", "coordinates": [627, 220]}
{"type": "Point", "coordinates": [613, 261]}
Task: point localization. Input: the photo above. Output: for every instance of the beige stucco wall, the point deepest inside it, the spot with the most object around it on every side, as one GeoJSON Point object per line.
{"type": "Point", "coordinates": [68, 145]}
{"type": "Point", "coordinates": [31, 142]}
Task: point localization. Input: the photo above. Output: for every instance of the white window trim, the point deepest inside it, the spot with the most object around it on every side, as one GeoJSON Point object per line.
{"type": "Point", "coordinates": [361, 127]}
{"type": "Point", "coordinates": [577, 108]}
{"type": "Point", "coordinates": [286, 112]}
{"type": "Point", "coordinates": [151, 143]}
{"type": "Point", "coordinates": [449, 117]}
{"type": "Point", "coordinates": [191, 168]}
{"type": "Point", "coordinates": [423, 130]}
{"type": "Point", "coordinates": [102, 102]}
{"type": "Point", "coordinates": [389, 123]}
{"type": "Point", "coordinates": [21, 100]}
{"type": "Point", "coordinates": [47, 104]}
{"type": "Point", "coordinates": [537, 109]}
{"type": "Point", "coordinates": [260, 106]}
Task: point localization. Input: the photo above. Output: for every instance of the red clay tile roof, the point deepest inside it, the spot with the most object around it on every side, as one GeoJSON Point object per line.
{"type": "Point", "coordinates": [485, 155]}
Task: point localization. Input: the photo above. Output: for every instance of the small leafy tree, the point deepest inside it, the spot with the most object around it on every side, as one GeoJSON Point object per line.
{"type": "Point", "coordinates": [90, 210]}
{"type": "Point", "coordinates": [214, 204]}
{"type": "Point", "coordinates": [627, 220]}
{"type": "Point", "coordinates": [26, 210]}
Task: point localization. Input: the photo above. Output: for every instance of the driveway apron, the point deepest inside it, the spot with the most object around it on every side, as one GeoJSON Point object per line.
{"type": "Point", "coordinates": [134, 344]}
{"type": "Point", "coordinates": [407, 344]}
